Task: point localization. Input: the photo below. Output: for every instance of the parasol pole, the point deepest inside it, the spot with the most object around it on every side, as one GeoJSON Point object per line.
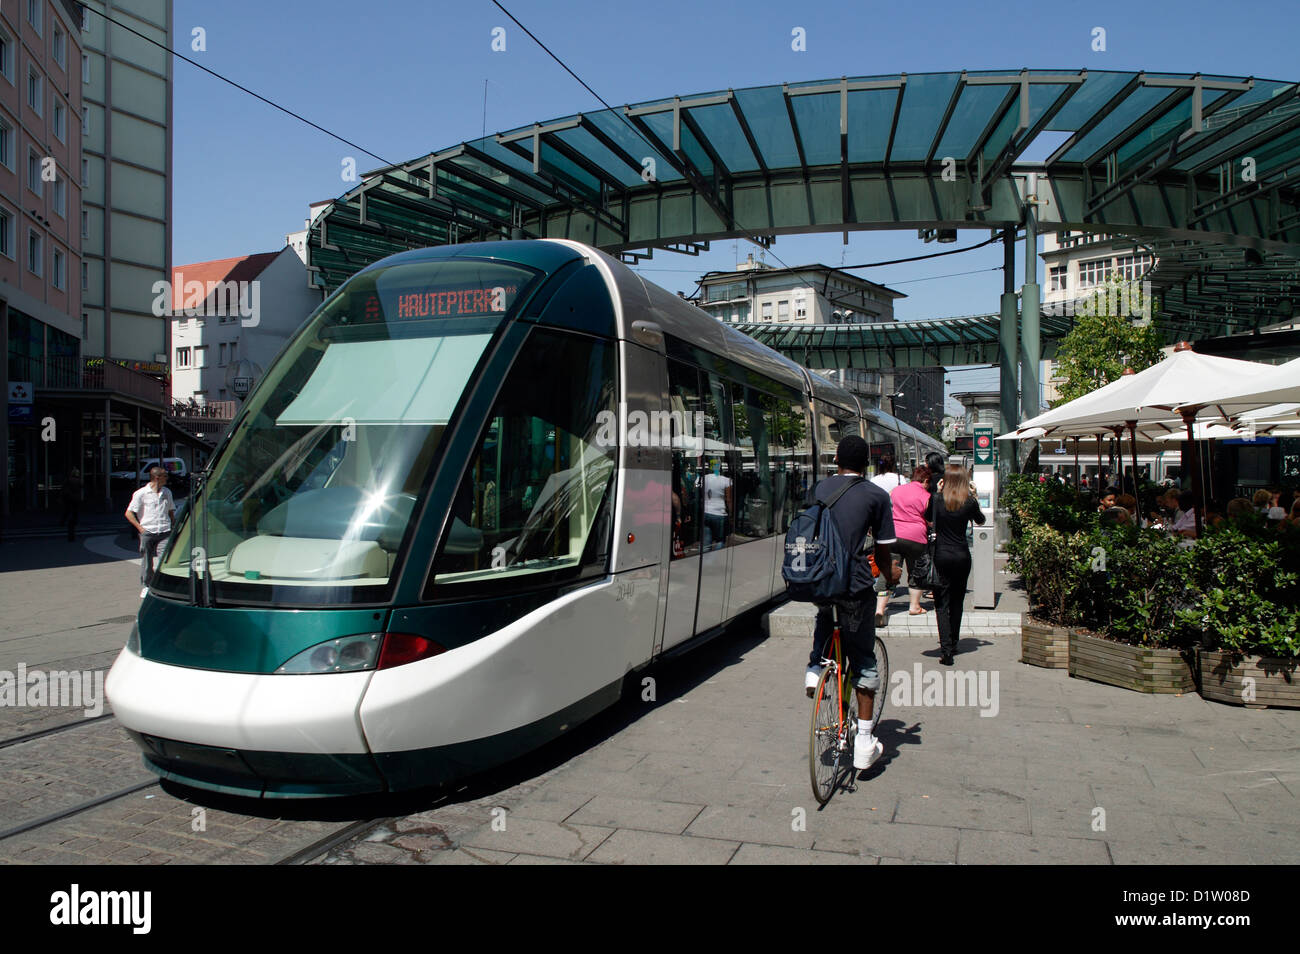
{"type": "Point", "coordinates": [1076, 463]}
{"type": "Point", "coordinates": [1197, 488]}
{"type": "Point", "coordinates": [1133, 444]}
{"type": "Point", "coordinates": [1099, 486]}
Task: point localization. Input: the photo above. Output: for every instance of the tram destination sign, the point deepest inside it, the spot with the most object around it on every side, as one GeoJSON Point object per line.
{"type": "Point", "coordinates": [433, 301]}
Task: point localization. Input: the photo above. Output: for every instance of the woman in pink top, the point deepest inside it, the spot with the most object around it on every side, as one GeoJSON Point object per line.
{"type": "Point", "coordinates": [911, 501]}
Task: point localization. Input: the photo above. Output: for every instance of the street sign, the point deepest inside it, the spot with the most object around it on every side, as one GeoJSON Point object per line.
{"type": "Point", "coordinates": [20, 392]}
{"type": "Point", "coordinates": [983, 445]}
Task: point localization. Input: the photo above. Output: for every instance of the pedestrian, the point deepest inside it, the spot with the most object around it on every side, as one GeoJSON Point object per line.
{"type": "Point", "coordinates": [150, 512]}
{"type": "Point", "coordinates": [863, 510]}
{"type": "Point", "coordinates": [71, 503]}
{"type": "Point", "coordinates": [934, 463]}
{"type": "Point", "coordinates": [953, 508]}
{"type": "Point", "coordinates": [910, 503]}
{"type": "Point", "coordinates": [887, 477]}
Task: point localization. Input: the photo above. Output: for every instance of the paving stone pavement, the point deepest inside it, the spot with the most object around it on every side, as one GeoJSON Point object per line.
{"type": "Point", "coordinates": [1060, 771]}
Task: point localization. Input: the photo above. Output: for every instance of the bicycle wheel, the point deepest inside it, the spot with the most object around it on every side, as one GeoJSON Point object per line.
{"type": "Point", "coordinates": [824, 735]}
{"type": "Point", "coordinates": [882, 689]}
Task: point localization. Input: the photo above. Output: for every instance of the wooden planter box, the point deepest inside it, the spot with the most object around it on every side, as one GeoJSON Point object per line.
{"type": "Point", "coordinates": [1042, 644]}
{"type": "Point", "coordinates": [1277, 681]}
{"type": "Point", "coordinates": [1131, 667]}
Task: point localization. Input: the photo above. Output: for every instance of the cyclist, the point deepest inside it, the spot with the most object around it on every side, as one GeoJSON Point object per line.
{"type": "Point", "coordinates": [863, 510]}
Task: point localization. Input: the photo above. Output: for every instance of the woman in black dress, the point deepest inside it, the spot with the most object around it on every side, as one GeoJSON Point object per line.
{"type": "Point", "coordinates": [952, 508]}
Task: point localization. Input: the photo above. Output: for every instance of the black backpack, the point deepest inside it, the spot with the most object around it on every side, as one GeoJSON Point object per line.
{"type": "Point", "coordinates": [818, 565]}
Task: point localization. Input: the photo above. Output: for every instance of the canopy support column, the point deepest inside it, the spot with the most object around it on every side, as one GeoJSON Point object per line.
{"type": "Point", "coordinates": [1008, 337]}
{"type": "Point", "coordinates": [1031, 345]}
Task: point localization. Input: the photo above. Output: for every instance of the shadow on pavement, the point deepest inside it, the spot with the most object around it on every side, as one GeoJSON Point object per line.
{"type": "Point", "coordinates": [44, 553]}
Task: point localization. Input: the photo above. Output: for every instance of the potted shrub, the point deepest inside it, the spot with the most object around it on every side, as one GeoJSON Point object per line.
{"type": "Point", "coordinates": [1049, 565]}
{"type": "Point", "coordinates": [1136, 585]}
{"type": "Point", "coordinates": [1046, 551]}
{"type": "Point", "coordinates": [1249, 614]}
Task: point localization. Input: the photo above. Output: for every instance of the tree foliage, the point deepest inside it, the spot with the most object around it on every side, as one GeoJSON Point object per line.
{"type": "Point", "coordinates": [1103, 342]}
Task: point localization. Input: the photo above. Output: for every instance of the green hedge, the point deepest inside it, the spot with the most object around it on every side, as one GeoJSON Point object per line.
{"type": "Point", "coordinates": [1237, 588]}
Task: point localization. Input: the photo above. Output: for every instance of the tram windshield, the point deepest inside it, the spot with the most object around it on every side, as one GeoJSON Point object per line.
{"type": "Point", "coordinates": [313, 496]}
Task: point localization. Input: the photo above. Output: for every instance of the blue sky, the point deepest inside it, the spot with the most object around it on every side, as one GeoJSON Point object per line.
{"type": "Point", "coordinates": [402, 78]}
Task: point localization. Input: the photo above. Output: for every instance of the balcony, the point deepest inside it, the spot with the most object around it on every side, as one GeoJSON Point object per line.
{"type": "Point", "coordinates": [207, 422]}
{"type": "Point", "coordinates": [71, 373]}
{"type": "Point", "coordinates": [101, 375]}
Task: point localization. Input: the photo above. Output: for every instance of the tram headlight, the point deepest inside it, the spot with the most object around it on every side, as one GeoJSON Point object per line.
{"type": "Point", "coordinates": [346, 654]}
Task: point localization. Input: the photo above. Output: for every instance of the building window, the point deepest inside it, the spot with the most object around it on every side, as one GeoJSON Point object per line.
{"type": "Point", "coordinates": [34, 14]}
{"type": "Point", "coordinates": [60, 44]}
{"type": "Point", "coordinates": [85, 120]}
{"type": "Point", "coordinates": [34, 172]}
{"type": "Point", "coordinates": [85, 325]}
{"type": "Point", "coordinates": [6, 234]}
{"type": "Point", "coordinates": [6, 56]}
{"type": "Point", "coordinates": [85, 68]}
{"type": "Point", "coordinates": [1093, 273]}
{"type": "Point", "coordinates": [182, 357]}
{"type": "Point", "coordinates": [85, 172]}
{"type": "Point", "coordinates": [1056, 278]}
{"type": "Point", "coordinates": [85, 276]}
{"type": "Point", "coordinates": [221, 357]}
{"type": "Point", "coordinates": [1132, 267]}
{"type": "Point", "coordinates": [6, 145]}
{"type": "Point", "coordinates": [60, 198]}
{"type": "Point", "coordinates": [34, 90]}
{"type": "Point", "coordinates": [783, 310]}
{"type": "Point", "coordinates": [56, 272]}
{"type": "Point", "coordinates": [85, 18]}
{"type": "Point", "coordinates": [60, 121]}
{"type": "Point", "coordinates": [801, 308]}
{"type": "Point", "coordinates": [200, 356]}
{"type": "Point", "coordinates": [767, 311]}
{"type": "Point", "coordinates": [35, 252]}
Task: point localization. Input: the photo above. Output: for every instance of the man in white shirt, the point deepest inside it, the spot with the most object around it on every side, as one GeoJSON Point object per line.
{"type": "Point", "coordinates": [150, 512]}
{"type": "Point", "coordinates": [717, 507]}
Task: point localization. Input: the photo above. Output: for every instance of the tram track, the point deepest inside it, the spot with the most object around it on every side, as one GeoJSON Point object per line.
{"type": "Point", "coordinates": [53, 730]}
{"type": "Point", "coordinates": [297, 856]}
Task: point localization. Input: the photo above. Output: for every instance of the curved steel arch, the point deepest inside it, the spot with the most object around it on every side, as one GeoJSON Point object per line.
{"type": "Point", "coordinates": [1203, 164]}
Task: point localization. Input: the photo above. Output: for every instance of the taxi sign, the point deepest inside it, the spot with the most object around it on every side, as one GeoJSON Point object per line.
{"type": "Point", "coordinates": [983, 445]}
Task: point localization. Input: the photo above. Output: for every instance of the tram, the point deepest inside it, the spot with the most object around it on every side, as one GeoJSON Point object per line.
{"type": "Point", "coordinates": [480, 486]}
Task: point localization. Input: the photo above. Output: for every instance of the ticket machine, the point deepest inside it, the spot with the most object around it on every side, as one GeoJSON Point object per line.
{"type": "Point", "coordinates": [983, 550]}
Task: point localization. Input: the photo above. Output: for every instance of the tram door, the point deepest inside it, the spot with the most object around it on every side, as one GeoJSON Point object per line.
{"type": "Point", "coordinates": [719, 494]}
{"type": "Point", "coordinates": [686, 417]}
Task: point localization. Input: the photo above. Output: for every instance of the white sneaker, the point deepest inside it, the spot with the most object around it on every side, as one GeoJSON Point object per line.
{"type": "Point", "coordinates": [812, 675]}
{"type": "Point", "coordinates": [866, 749]}
{"type": "Point", "coordinates": [144, 592]}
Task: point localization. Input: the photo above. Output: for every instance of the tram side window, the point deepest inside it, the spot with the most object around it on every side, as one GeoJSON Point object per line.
{"type": "Point", "coordinates": [833, 424]}
{"type": "Point", "coordinates": [753, 491]}
{"type": "Point", "coordinates": [716, 483]}
{"type": "Point", "coordinates": [536, 496]}
{"type": "Point", "coordinates": [791, 459]}
{"type": "Point", "coordinates": [684, 406]}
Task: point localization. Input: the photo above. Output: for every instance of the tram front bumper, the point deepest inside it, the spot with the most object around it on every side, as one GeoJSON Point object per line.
{"type": "Point", "coordinates": [246, 734]}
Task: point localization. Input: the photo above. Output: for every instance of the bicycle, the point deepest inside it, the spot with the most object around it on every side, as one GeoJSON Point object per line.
{"type": "Point", "coordinates": [835, 716]}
